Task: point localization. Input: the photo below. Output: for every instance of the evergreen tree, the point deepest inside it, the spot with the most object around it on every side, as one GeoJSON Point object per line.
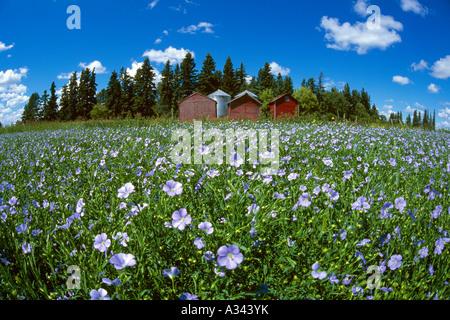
{"type": "Point", "coordinates": [265, 79]}
{"type": "Point", "coordinates": [177, 88]}
{"type": "Point", "coordinates": [217, 80]}
{"type": "Point", "coordinates": [92, 92]}
{"type": "Point", "coordinates": [51, 113]}
{"type": "Point", "coordinates": [188, 76]}
{"type": "Point", "coordinates": [425, 122]}
{"type": "Point", "coordinates": [265, 97]}
{"type": "Point", "coordinates": [415, 121]}
{"type": "Point", "coordinates": [113, 95]}
{"type": "Point", "coordinates": [84, 102]}
{"type": "Point", "coordinates": [166, 90]}
{"type": "Point", "coordinates": [365, 100]}
{"type": "Point", "coordinates": [43, 106]}
{"type": "Point", "coordinates": [228, 78]}
{"type": "Point", "coordinates": [64, 104]}
{"type": "Point", "coordinates": [72, 97]}
{"type": "Point", "coordinates": [241, 79]}
{"type": "Point", "coordinates": [206, 79]}
{"type": "Point", "coordinates": [434, 120]}
{"type": "Point", "coordinates": [127, 93]}
{"type": "Point", "coordinates": [303, 82]}
{"type": "Point", "coordinates": [279, 89]}
{"type": "Point", "coordinates": [31, 109]}
{"type": "Point", "coordinates": [288, 85]}
{"type": "Point", "coordinates": [101, 96]}
{"type": "Point", "coordinates": [408, 120]}
{"type": "Point", "coordinates": [253, 85]}
{"type": "Point", "coordinates": [145, 90]}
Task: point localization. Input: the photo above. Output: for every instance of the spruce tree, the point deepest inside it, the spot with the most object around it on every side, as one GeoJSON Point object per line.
{"type": "Point", "coordinates": [265, 79]}
{"type": "Point", "coordinates": [241, 79]}
{"type": "Point", "coordinates": [51, 114]}
{"type": "Point", "coordinates": [127, 93]}
{"type": "Point", "coordinates": [145, 90]}
{"type": "Point", "coordinates": [43, 106]}
{"type": "Point", "coordinates": [31, 109]}
{"type": "Point", "coordinates": [288, 85]}
{"type": "Point", "coordinates": [206, 82]}
{"type": "Point", "coordinates": [166, 90]}
{"type": "Point", "coordinates": [83, 103]}
{"type": "Point", "coordinates": [63, 112]}
{"type": "Point", "coordinates": [92, 92]}
{"type": "Point", "coordinates": [113, 95]}
{"type": "Point", "coordinates": [228, 84]}
{"type": "Point", "coordinates": [72, 97]}
{"type": "Point", "coordinates": [188, 76]}
{"type": "Point", "coordinates": [280, 85]}
{"type": "Point", "coordinates": [177, 88]}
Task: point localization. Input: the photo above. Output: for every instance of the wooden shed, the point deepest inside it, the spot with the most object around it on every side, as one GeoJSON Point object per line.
{"type": "Point", "coordinates": [196, 106]}
{"type": "Point", "coordinates": [283, 104]}
{"type": "Point", "coordinates": [245, 105]}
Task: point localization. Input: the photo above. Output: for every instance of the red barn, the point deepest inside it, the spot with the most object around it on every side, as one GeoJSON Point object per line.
{"type": "Point", "coordinates": [196, 106]}
{"type": "Point", "coordinates": [283, 104]}
{"type": "Point", "coordinates": [245, 105]}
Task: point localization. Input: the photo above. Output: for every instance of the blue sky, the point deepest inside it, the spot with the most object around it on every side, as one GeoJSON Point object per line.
{"type": "Point", "coordinates": [403, 61]}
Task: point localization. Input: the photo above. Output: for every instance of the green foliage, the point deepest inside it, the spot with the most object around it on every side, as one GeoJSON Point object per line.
{"type": "Point", "coordinates": [208, 79]}
{"type": "Point", "coordinates": [188, 76]}
{"type": "Point", "coordinates": [307, 100]}
{"type": "Point", "coordinates": [265, 97]}
{"type": "Point", "coordinates": [145, 90]}
{"type": "Point", "coordinates": [99, 112]}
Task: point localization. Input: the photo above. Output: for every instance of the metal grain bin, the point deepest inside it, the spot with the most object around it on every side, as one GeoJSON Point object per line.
{"type": "Point", "coordinates": [222, 99]}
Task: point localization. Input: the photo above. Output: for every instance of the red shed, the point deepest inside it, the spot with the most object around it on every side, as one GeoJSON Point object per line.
{"type": "Point", "coordinates": [245, 105]}
{"type": "Point", "coordinates": [283, 104]}
{"type": "Point", "coordinates": [196, 106]}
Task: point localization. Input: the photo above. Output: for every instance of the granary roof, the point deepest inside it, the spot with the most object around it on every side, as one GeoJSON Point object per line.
{"type": "Point", "coordinates": [245, 93]}
{"type": "Point", "coordinates": [219, 93]}
{"type": "Point", "coordinates": [193, 94]}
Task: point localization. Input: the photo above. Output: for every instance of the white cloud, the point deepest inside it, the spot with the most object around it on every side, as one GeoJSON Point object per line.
{"type": "Point", "coordinates": [276, 68]}
{"type": "Point", "coordinates": [8, 116]}
{"type": "Point", "coordinates": [388, 107]}
{"type": "Point", "coordinates": [432, 88]}
{"type": "Point", "coordinates": [152, 4]}
{"type": "Point", "coordinates": [136, 65]}
{"type": "Point", "coordinates": [360, 7]}
{"type": "Point", "coordinates": [166, 33]}
{"type": "Point", "coordinates": [410, 110]}
{"type": "Point", "coordinates": [444, 103]}
{"type": "Point", "coordinates": [204, 27]}
{"type": "Point", "coordinates": [10, 77]}
{"type": "Point", "coordinates": [418, 105]}
{"type": "Point", "coordinates": [401, 80]}
{"type": "Point", "coordinates": [422, 65]}
{"type": "Point", "coordinates": [443, 124]}
{"type": "Point", "coordinates": [441, 68]}
{"type": "Point", "coordinates": [4, 47]}
{"type": "Point", "coordinates": [387, 113]}
{"type": "Point", "coordinates": [414, 6]}
{"type": "Point", "coordinates": [444, 113]}
{"type": "Point", "coordinates": [174, 55]}
{"type": "Point", "coordinates": [158, 41]}
{"type": "Point", "coordinates": [99, 68]}
{"type": "Point", "coordinates": [359, 37]}
{"type": "Point", "coordinates": [64, 75]}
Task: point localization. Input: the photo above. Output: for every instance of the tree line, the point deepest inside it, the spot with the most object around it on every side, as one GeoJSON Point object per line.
{"type": "Point", "coordinates": [139, 95]}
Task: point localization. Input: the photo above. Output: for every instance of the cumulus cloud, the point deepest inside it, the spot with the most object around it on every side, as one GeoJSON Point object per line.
{"type": "Point", "coordinates": [388, 107]}
{"type": "Point", "coordinates": [204, 27]}
{"type": "Point", "coordinates": [99, 68]}
{"type": "Point", "coordinates": [276, 69]}
{"type": "Point", "coordinates": [421, 66]}
{"type": "Point", "coordinates": [4, 47]}
{"type": "Point", "coordinates": [410, 110]}
{"type": "Point", "coordinates": [418, 105]}
{"type": "Point", "coordinates": [401, 80]}
{"type": "Point", "coordinates": [358, 37]}
{"type": "Point", "coordinates": [10, 76]}
{"type": "Point", "coordinates": [12, 94]}
{"type": "Point", "coordinates": [136, 65]}
{"type": "Point", "coordinates": [432, 88]}
{"type": "Point", "coordinates": [158, 41]}
{"type": "Point", "coordinates": [441, 68]}
{"type": "Point", "coordinates": [174, 55]}
{"type": "Point", "coordinates": [444, 113]}
{"type": "Point", "coordinates": [414, 6]}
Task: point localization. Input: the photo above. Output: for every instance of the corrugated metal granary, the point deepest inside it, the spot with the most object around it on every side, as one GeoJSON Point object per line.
{"type": "Point", "coordinates": [222, 99]}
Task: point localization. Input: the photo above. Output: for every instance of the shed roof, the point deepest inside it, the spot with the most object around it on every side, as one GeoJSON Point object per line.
{"type": "Point", "coordinates": [281, 96]}
{"type": "Point", "coordinates": [247, 92]}
{"type": "Point", "coordinates": [195, 93]}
